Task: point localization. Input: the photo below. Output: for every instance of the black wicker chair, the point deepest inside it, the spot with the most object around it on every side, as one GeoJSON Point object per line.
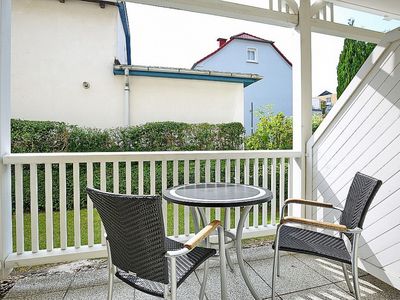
{"type": "Point", "coordinates": [294, 239]}
{"type": "Point", "coordinates": [139, 253]}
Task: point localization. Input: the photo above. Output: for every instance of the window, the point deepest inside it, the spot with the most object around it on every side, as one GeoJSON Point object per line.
{"type": "Point", "coordinates": [251, 55]}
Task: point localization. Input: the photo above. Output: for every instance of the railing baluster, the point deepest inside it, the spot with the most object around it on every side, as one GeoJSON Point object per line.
{"type": "Point", "coordinates": [218, 179]}
{"type": "Point", "coordinates": [279, 5]}
{"type": "Point", "coordinates": [255, 182]}
{"type": "Point", "coordinates": [271, 4]}
{"type": "Point", "coordinates": [290, 184]}
{"type": "Point", "coordinates": [237, 180]}
{"type": "Point", "coordinates": [89, 183]}
{"type": "Point", "coordinates": [152, 177]}
{"type": "Point", "coordinates": [186, 208]}
{"type": "Point", "coordinates": [49, 206]}
{"type": "Point", "coordinates": [116, 177]}
{"type": "Point", "coordinates": [228, 180]}
{"type": "Point", "coordinates": [208, 180]}
{"type": "Point", "coordinates": [128, 177]}
{"type": "Point", "coordinates": [331, 10]}
{"type": "Point", "coordinates": [281, 184]}
{"type": "Point", "coordinates": [19, 208]}
{"type": "Point", "coordinates": [164, 187]}
{"type": "Point", "coordinates": [247, 181]}
{"type": "Point", "coordinates": [63, 206]}
{"type": "Point", "coordinates": [103, 187]}
{"type": "Point", "coordinates": [77, 206]}
{"type": "Point", "coordinates": [175, 206]}
{"type": "Point", "coordinates": [273, 189]}
{"type": "Point", "coordinates": [34, 208]}
{"type": "Point", "coordinates": [140, 177]}
{"type": "Point", "coordinates": [265, 185]}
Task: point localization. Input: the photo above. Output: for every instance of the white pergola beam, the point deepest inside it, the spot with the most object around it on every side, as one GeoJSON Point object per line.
{"type": "Point", "coordinates": [346, 31]}
{"type": "Point", "coordinates": [227, 9]}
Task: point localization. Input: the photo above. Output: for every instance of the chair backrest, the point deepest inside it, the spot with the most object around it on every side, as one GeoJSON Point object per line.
{"type": "Point", "coordinates": [362, 191]}
{"type": "Point", "coordinates": [135, 232]}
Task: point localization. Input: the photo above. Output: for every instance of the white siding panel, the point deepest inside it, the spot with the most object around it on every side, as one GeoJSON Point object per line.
{"type": "Point", "coordinates": [365, 136]}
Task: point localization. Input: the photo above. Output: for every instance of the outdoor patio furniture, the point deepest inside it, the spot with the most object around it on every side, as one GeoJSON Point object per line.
{"type": "Point", "coordinates": [222, 195]}
{"type": "Point", "coordinates": [294, 239]}
{"type": "Point", "coordinates": [139, 253]}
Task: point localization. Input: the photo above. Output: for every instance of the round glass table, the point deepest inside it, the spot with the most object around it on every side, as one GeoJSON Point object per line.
{"type": "Point", "coordinates": [222, 195]}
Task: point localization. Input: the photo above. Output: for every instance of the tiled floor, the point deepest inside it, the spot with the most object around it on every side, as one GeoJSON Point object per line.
{"type": "Point", "coordinates": [302, 277]}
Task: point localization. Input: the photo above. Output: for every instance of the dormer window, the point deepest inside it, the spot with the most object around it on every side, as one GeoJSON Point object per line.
{"type": "Point", "coordinates": [252, 55]}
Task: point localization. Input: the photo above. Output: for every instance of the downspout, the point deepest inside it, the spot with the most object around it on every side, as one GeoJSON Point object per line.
{"type": "Point", "coordinates": [127, 109]}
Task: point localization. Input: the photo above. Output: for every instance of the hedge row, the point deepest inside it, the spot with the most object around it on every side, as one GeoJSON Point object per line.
{"type": "Point", "coordinates": [46, 136]}
{"type": "Point", "coordinates": [39, 136]}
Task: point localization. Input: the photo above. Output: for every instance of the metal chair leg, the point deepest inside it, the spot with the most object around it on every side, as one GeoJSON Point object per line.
{"type": "Point", "coordinates": [354, 266]}
{"type": "Point", "coordinates": [167, 294]}
{"type": "Point", "coordinates": [229, 260]}
{"type": "Point", "coordinates": [173, 278]}
{"type": "Point", "coordinates": [110, 273]}
{"type": "Point", "coordinates": [204, 283]}
{"type": "Point", "coordinates": [276, 262]}
{"type": "Point", "coordinates": [347, 278]}
{"type": "Point", "coordinates": [222, 263]}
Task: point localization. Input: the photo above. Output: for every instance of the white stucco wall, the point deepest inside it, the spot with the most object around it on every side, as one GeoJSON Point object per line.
{"type": "Point", "coordinates": [191, 101]}
{"type": "Point", "coordinates": [57, 46]}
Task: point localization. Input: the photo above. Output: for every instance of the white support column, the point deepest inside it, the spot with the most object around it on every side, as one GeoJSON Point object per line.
{"type": "Point", "coordinates": [302, 94]}
{"type": "Point", "coordinates": [5, 136]}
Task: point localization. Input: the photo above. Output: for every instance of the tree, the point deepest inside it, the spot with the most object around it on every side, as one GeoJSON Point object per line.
{"type": "Point", "coordinates": [351, 59]}
{"type": "Point", "coordinates": [275, 131]}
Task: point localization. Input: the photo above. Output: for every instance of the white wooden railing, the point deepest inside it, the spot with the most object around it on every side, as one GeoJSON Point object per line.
{"type": "Point", "coordinates": [130, 172]}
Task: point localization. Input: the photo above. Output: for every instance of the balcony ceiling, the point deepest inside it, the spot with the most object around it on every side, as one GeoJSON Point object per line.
{"type": "Point", "coordinates": [388, 8]}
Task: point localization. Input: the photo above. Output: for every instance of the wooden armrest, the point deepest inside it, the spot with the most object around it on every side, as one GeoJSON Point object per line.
{"type": "Point", "coordinates": [205, 232]}
{"type": "Point", "coordinates": [320, 224]}
{"type": "Point", "coordinates": [309, 202]}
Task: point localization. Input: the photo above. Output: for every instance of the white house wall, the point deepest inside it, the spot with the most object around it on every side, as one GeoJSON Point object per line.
{"type": "Point", "coordinates": [191, 101]}
{"type": "Point", "coordinates": [55, 48]}
{"type": "Point", "coordinates": [365, 136]}
{"type": "Point", "coordinates": [58, 46]}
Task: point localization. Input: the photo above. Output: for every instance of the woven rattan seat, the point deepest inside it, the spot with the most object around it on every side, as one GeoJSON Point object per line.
{"type": "Point", "coordinates": [185, 265]}
{"type": "Point", "coordinates": [300, 240]}
{"type": "Point", "coordinates": [141, 255]}
{"type": "Point", "coordinates": [294, 239]}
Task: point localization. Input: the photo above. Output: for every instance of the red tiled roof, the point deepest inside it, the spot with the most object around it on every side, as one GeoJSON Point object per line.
{"type": "Point", "coordinates": [244, 36]}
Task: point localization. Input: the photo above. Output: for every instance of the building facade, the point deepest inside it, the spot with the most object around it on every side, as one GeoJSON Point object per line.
{"type": "Point", "coordinates": [63, 69]}
{"type": "Point", "coordinates": [245, 53]}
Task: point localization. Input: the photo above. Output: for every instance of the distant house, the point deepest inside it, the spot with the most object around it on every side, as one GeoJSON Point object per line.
{"type": "Point", "coordinates": [66, 66]}
{"type": "Point", "coordinates": [246, 53]}
{"type": "Point", "coordinates": [328, 100]}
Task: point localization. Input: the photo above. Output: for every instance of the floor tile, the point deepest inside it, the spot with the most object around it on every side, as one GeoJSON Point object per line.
{"type": "Point", "coordinates": [40, 284]}
{"type": "Point", "coordinates": [294, 274]}
{"type": "Point", "coordinates": [41, 296]}
{"type": "Point", "coordinates": [330, 269]}
{"type": "Point", "coordinates": [236, 286]}
{"type": "Point", "coordinates": [326, 292]}
{"type": "Point", "coordinates": [372, 288]}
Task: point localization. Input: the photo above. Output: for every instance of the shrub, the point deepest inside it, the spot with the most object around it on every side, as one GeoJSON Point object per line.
{"type": "Point", "coordinates": [45, 136]}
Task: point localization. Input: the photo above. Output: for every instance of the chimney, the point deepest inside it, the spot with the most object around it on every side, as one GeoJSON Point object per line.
{"type": "Point", "coordinates": [221, 41]}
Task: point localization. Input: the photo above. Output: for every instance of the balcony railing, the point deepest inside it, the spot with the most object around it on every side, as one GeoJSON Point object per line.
{"type": "Point", "coordinates": [56, 182]}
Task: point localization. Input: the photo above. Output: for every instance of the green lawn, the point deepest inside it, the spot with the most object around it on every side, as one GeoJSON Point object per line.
{"type": "Point", "coordinates": [97, 233]}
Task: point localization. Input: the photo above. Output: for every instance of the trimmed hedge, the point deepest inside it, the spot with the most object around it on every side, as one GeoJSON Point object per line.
{"type": "Point", "coordinates": [46, 136]}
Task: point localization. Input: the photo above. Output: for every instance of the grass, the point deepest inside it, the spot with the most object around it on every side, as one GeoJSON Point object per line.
{"type": "Point", "coordinates": [96, 226]}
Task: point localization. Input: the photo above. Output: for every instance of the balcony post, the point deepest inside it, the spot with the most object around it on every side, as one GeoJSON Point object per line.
{"type": "Point", "coordinates": [5, 135]}
{"type": "Point", "coordinates": [302, 94]}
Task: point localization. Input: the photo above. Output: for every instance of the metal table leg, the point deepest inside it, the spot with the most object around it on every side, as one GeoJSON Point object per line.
{"type": "Point", "coordinates": [239, 233]}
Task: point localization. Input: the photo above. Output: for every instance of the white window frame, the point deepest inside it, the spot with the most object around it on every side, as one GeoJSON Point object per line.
{"type": "Point", "coordinates": [255, 55]}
